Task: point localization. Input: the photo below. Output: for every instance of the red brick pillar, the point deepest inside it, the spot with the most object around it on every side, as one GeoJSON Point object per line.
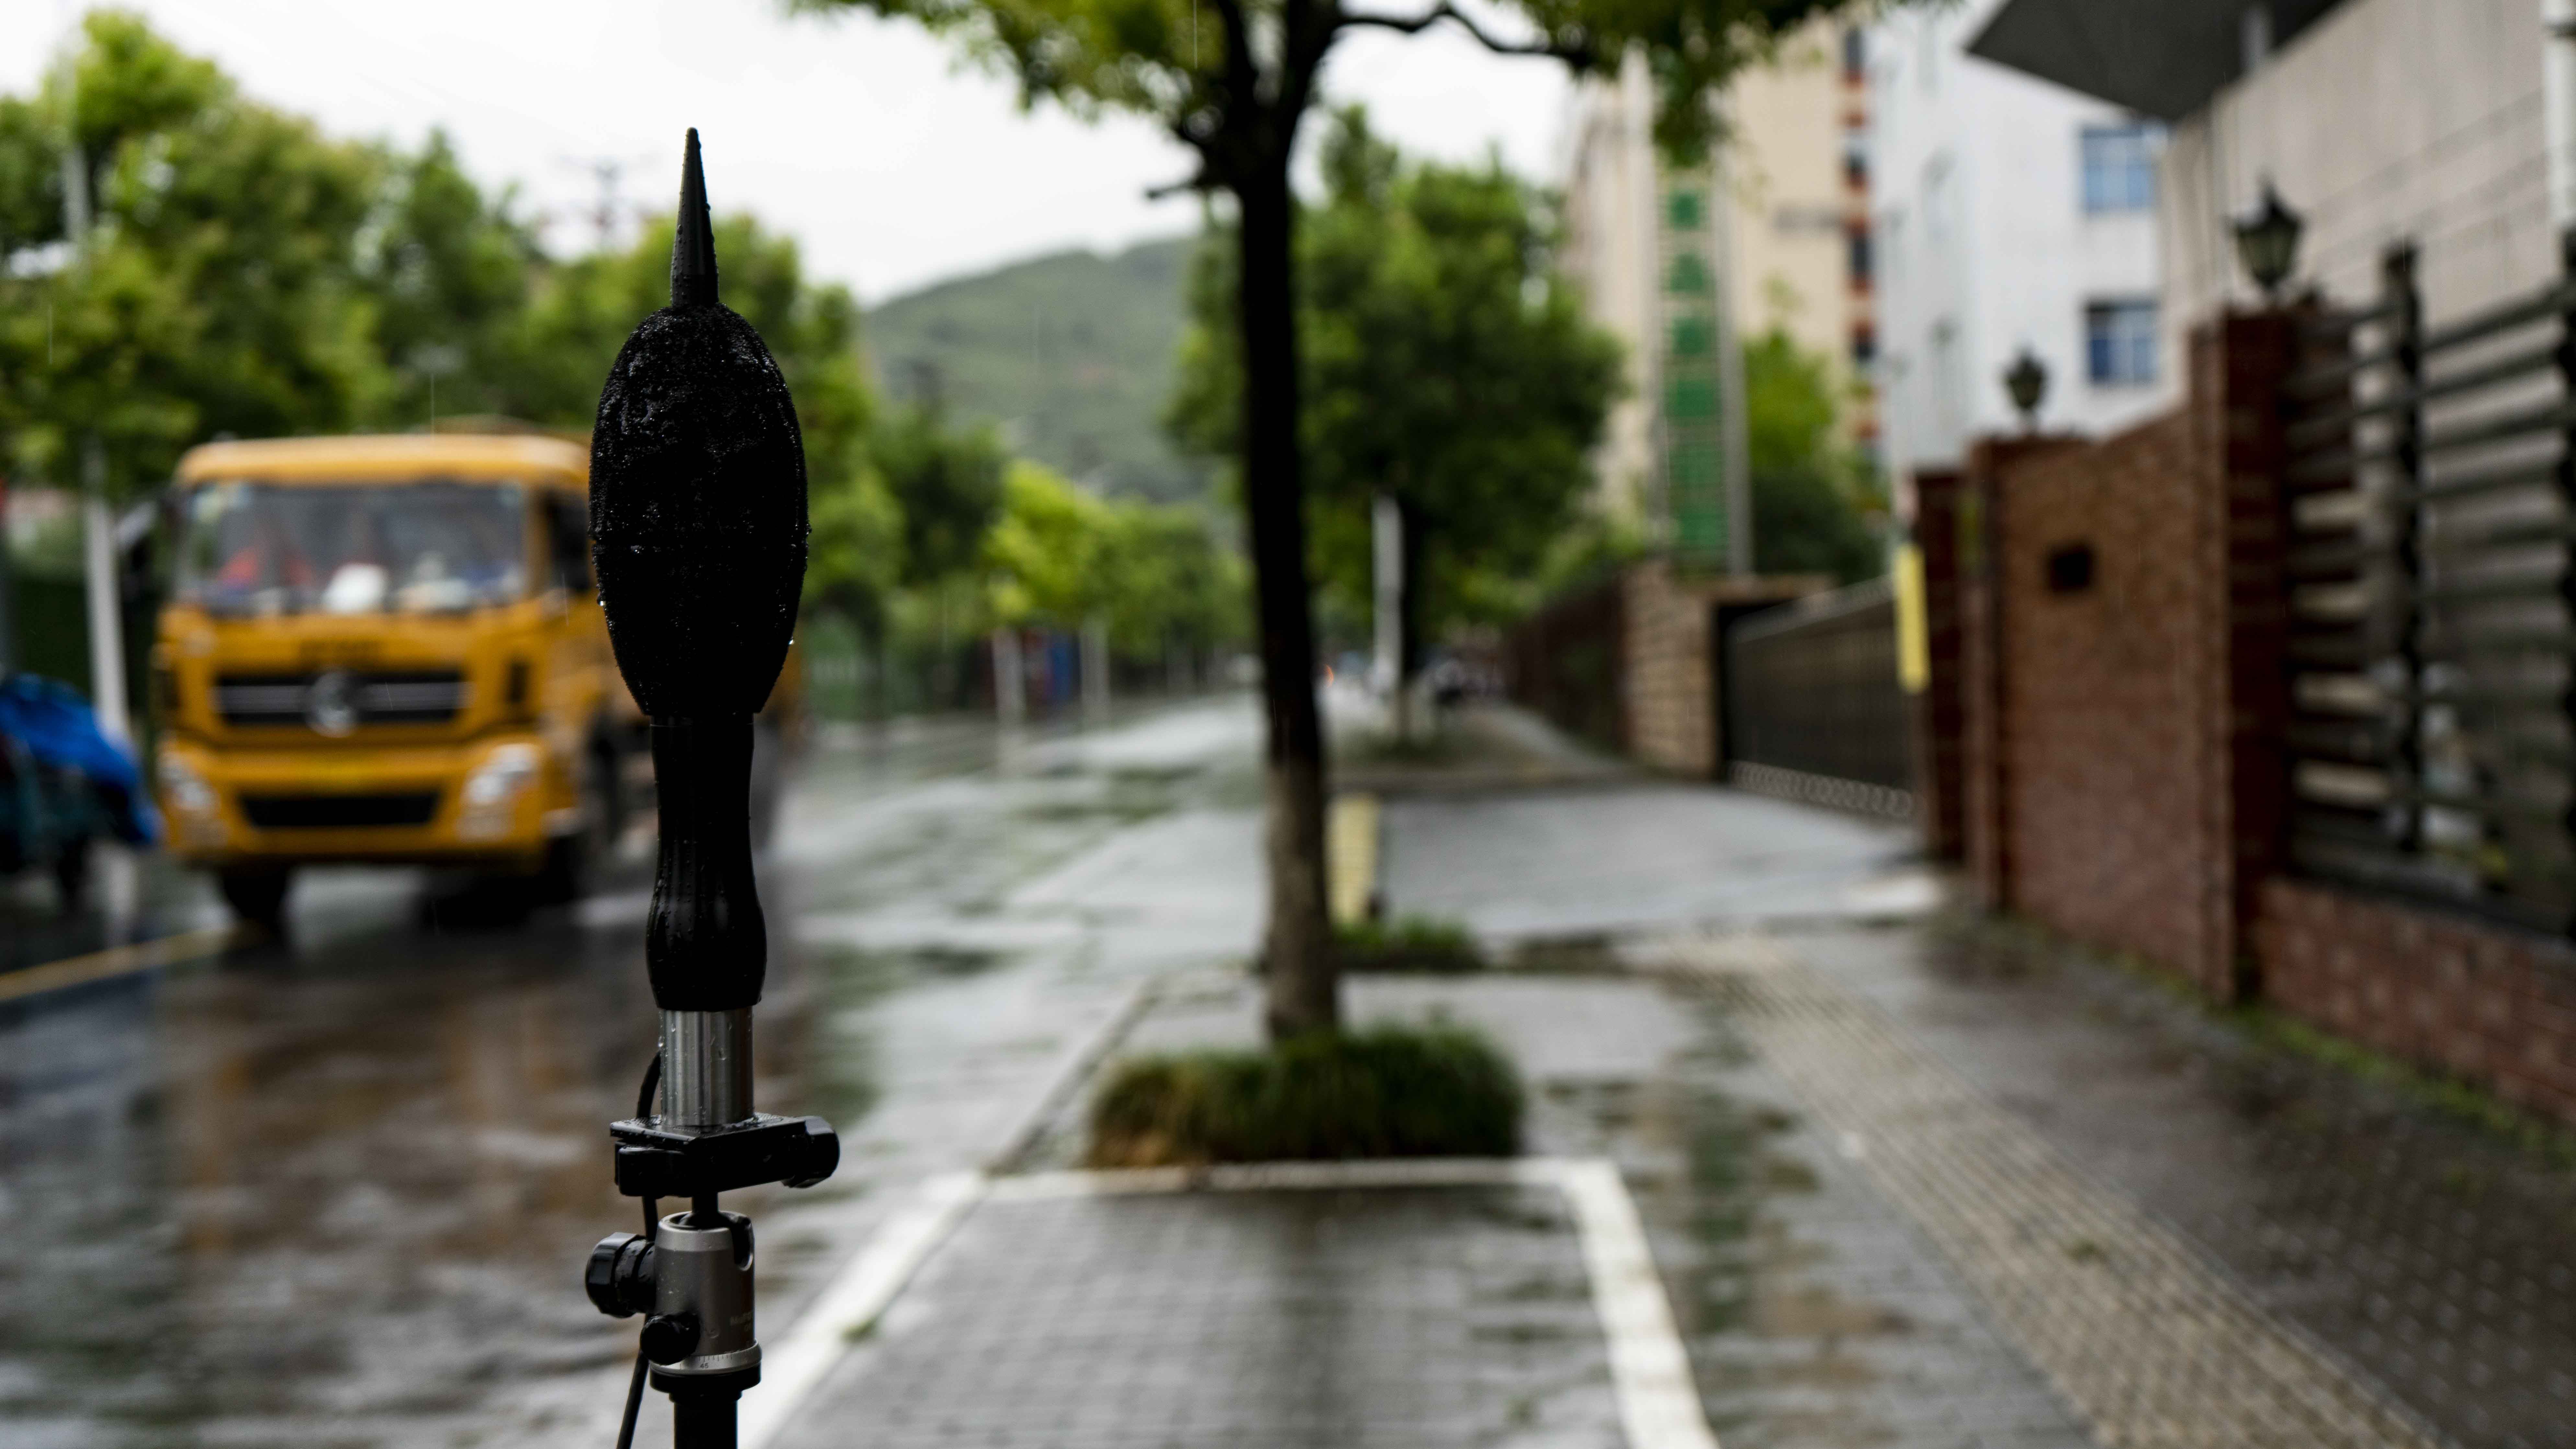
{"type": "Point", "coordinates": [1984, 517]}
{"type": "Point", "coordinates": [1940, 724]}
{"type": "Point", "coordinates": [2238, 362]}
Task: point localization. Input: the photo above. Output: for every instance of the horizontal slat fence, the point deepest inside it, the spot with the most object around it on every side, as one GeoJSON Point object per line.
{"type": "Point", "coordinates": [2431, 628]}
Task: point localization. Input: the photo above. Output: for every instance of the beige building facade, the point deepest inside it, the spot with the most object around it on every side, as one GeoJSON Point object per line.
{"type": "Point", "coordinates": [1786, 243]}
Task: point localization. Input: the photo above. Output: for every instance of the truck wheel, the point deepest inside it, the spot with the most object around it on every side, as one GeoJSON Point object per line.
{"type": "Point", "coordinates": [572, 860]}
{"type": "Point", "coordinates": [71, 875]}
{"type": "Point", "coordinates": [257, 893]}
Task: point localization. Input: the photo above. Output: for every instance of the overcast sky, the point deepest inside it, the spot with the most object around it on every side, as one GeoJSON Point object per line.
{"type": "Point", "coordinates": [865, 139]}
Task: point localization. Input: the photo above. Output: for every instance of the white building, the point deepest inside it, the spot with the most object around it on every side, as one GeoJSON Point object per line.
{"type": "Point", "coordinates": [2376, 120]}
{"type": "Point", "coordinates": [2007, 213]}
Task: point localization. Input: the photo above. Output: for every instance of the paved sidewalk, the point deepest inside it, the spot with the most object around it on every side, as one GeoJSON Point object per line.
{"type": "Point", "coordinates": [1408, 1317]}
{"type": "Point", "coordinates": [2150, 1342]}
{"type": "Point", "coordinates": [1902, 1187]}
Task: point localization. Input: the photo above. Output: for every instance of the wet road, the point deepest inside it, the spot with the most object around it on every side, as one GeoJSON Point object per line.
{"type": "Point", "coordinates": [337, 1190]}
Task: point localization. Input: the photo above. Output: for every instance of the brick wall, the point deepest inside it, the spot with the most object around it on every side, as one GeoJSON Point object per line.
{"type": "Point", "coordinates": [1631, 664]}
{"type": "Point", "coordinates": [2123, 772]}
{"type": "Point", "coordinates": [2491, 1004]}
{"type": "Point", "coordinates": [1669, 658]}
{"type": "Point", "coordinates": [1985, 747]}
{"type": "Point", "coordinates": [2120, 625]}
{"type": "Point", "coordinates": [2103, 694]}
{"type": "Point", "coordinates": [1671, 694]}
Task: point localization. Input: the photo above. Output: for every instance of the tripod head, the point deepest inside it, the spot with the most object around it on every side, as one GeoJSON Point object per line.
{"type": "Point", "coordinates": [697, 507]}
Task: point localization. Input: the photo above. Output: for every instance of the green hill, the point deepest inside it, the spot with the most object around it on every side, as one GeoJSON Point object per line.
{"type": "Point", "coordinates": [1070, 354]}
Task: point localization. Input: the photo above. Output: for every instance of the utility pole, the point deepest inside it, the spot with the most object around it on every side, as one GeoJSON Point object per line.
{"type": "Point", "coordinates": [1095, 669]}
{"type": "Point", "coordinates": [1386, 609]}
{"type": "Point", "coordinates": [98, 526]}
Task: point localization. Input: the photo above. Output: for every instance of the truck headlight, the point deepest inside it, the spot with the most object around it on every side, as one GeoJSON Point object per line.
{"type": "Point", "coordinates": [185, 789]}
{"type": "Point", "coordinates": [492, 792]}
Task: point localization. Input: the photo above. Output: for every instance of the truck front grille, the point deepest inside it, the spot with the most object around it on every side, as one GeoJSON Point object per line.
{"type": "Point", "coordinates": [339, 812]}
{"type": "Point", "coordinates": [420, 696]}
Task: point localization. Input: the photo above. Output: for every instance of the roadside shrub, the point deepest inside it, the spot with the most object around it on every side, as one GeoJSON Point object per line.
{"type": "Point", "coordinates": [1410, 944]}
{"type": "Point", "coordinates": [1389, 1091]}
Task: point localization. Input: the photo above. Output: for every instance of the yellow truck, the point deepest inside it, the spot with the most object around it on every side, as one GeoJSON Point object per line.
{"type": "Point", "coordinates": [387, 649]}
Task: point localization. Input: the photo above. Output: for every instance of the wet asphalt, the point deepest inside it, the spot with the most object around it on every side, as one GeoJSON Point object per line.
{"type": "Point", "coordinates": [337, 1189]}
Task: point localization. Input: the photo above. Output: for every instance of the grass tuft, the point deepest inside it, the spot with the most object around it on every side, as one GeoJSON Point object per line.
{"type": "Point", "coordinates": [1389, 1091]}
{"type": "Point", "coordinates": [1413, 943]}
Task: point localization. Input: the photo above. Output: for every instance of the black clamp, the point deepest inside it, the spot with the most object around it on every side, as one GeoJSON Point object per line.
{"type": "Point", "coordinates": [658, 1161]}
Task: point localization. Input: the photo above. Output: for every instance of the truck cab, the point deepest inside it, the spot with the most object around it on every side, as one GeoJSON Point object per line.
{"type": "Point", "coordinates": [387, 649]}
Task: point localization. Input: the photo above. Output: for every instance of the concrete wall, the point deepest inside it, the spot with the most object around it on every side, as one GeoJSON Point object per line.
{"type": "Point", "coordinates": [1983, 243]}
{"type": "Point", "coordinates": [2384, 120]}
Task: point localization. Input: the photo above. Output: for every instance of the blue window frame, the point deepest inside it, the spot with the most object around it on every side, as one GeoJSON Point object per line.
{"type": "Point", "coordinates": [2120, 167]}
{"type": "Point", "coordinates": [2120, 342]}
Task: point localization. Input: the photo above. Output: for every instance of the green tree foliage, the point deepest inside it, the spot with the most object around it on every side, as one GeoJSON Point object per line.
{"type": "Point", "coordinates": [1171, 582]}
{"type": "Point", "coordinates": [1815, 504]}
{"type": "Point", "coordinates": [948, 482]}
{"type": "Point", "coordinates": [451, 271]}
{"type": "Point", "coordinates": [220, 289]}
{"type": "Point", "coordinates": [1059, 556]}
{"type": "Point", "coordinates": [1041, 555]}
{"type": "Point", "coordinates": [247, 275]}
{"type": "Point", "coordinates": [1446, 366]}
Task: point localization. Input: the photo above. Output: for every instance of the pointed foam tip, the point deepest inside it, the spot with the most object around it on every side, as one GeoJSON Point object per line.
{"type": "Point", "coordinates": [693, 241]}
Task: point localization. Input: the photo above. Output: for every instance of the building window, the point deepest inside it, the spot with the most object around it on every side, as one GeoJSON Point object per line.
{"type": "Point", "coordinates": [1855, 159]}
{"type": "Point", "coordinates": [2120, 343]}
{"type": "Point", "coordinates": [2119, 167]}
{"type": "Point", "coordinates": [1864, 345]}
{"type": "Point", "coordinates": [1858, 238]}
{"type": "Point", "coordinates": [1855, 54]}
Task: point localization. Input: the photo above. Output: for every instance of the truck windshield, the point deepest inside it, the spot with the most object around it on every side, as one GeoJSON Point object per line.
{"type": "Point", "coordinates": [428, 547]}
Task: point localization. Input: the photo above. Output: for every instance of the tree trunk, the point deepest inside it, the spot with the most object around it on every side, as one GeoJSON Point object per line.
{"type": "Point", "coordinates": [1297, 951]}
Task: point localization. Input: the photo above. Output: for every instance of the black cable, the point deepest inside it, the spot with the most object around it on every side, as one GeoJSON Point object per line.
{"type": "Point", "coordinates": [652, 1220]}
{"type": "Point", "coordinates": [634, 1403]}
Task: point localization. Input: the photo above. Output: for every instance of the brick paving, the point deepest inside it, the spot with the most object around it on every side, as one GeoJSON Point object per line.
{"type": "Point", "coordinates": [1413, 1317]}
{"type": "Point", "coordinates": [2435, 1254]}
{"type": "Point", "coordinates": [2150, 1343]}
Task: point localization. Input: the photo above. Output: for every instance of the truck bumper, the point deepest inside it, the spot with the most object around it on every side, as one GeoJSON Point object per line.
{"type": "Point", "coordinates": [484, 803]}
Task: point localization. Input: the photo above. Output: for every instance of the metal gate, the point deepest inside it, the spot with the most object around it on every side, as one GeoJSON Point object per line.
{"type": "Point", "coordinates": [2430, 592]}
{"type": "Point", "coordinates": [1813, 706]}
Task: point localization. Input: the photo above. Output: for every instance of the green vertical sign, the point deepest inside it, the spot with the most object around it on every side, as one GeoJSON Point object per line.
{"type": "Point", "coordinates": [1693, 440]}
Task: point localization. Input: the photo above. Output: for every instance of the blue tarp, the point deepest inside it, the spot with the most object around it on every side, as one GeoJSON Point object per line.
{"type": "Point", "coordinates": [56, 726]}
